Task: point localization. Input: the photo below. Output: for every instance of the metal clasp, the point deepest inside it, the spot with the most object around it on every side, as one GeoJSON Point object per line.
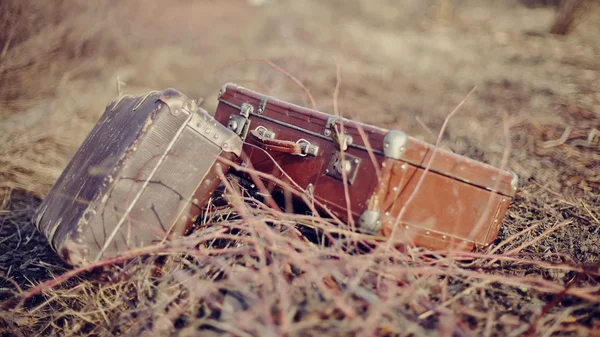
{"type": "Point", "coordinates": [241, 123]}
{"type": "Point", "coordinates": [263, 131]}
{"type": "Point", "coordinates": [307, 148]}
{"type": "Point", "coordinates": [337, 168]}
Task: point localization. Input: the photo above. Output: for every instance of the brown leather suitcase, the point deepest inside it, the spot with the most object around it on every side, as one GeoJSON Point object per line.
{"type": "Point", "coordinates": [459, 205]}
{"type": "Point", "coordinates": [140, 177]}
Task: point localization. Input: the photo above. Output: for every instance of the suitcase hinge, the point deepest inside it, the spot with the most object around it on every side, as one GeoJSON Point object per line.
{"type": "Point", "coordinates": [262, 105]}
{"type": "Point", "coordinates": [330, 121]}
{"type": "Point", "coordinates": [341, 142]}
{"type": "Point", "coordinates": [241, 123]}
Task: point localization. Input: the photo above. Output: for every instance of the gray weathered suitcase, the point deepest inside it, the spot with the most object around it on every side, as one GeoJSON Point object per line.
{"type": "Point", "coordinates": [141, 176]}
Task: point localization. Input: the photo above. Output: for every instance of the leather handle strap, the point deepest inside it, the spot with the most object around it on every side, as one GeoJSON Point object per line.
{"type": "Point", "coordinates": [277, 145]}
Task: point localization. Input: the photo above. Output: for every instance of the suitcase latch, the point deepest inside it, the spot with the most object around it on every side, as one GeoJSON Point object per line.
{"type": "Point", "coordinates": [336, 167]}
{"type": "Point", "coordinates": [240, 123]}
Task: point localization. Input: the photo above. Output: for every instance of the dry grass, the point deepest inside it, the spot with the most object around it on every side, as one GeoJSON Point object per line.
{"type": "Point", "coordinates": [52, 56]}
{"type": "Point", "coordinates": [250, 270]}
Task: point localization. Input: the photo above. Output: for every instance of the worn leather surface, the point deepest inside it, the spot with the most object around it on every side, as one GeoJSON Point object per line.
{"type": "Point", "coordinates": [460, 204]}
{"type": "Point", "coordinates": [142, 174]}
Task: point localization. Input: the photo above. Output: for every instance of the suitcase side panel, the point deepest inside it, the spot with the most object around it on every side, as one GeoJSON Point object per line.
{"type": "Point", "coordinates": [443, 212]}
{"type": "Point", "coordinates": [160, 205]}
{"type": "Point", "coordinates": [168, 178]}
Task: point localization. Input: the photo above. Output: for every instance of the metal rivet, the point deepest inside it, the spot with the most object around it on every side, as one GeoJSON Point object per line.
{"type": "Point", "coordinates": [355, 161]}
{"type": "Point", "coordinates": [216, 136]}
{"type": "Point", "coordinates": [386, 145]}
{"type": "Point", "coordinates": [225, 145]}
{"type": "Point", "coordinates": [395, 189]}
{"type": "Point", "coordinates": [195, 201]}
{"type": "Point", "coordinates": [404, 166]}
{"type": "Point", "coordinates": [387, 213]}
{"type": "Point", "coordinates": [406, 227]}
{"type": "Point", "coordinates": [444, 237]}
{"type": "Point", "coordinates": [207, 130]}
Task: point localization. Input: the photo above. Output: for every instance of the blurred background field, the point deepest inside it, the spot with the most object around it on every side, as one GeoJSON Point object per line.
{"type": "Point", "coordinates": [403, 64]}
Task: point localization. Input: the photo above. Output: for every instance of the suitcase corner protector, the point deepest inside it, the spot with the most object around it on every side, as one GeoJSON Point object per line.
{"type": "Point", "coordinates": [370, 221]}
{"type": "Point", "coordinates": [394, 144]}
{"type": "Point", "coordinates": [514, 183]}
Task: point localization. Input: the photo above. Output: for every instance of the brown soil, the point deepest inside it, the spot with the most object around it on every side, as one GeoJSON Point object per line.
{"type": "Point", "coordinates": [403, 65]}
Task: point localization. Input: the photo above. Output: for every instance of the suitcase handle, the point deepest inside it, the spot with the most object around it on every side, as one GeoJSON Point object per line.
{"type": "Point", "coordinates": [266, 140]}
{"type": "Point", "coordinates": [271, 144]}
